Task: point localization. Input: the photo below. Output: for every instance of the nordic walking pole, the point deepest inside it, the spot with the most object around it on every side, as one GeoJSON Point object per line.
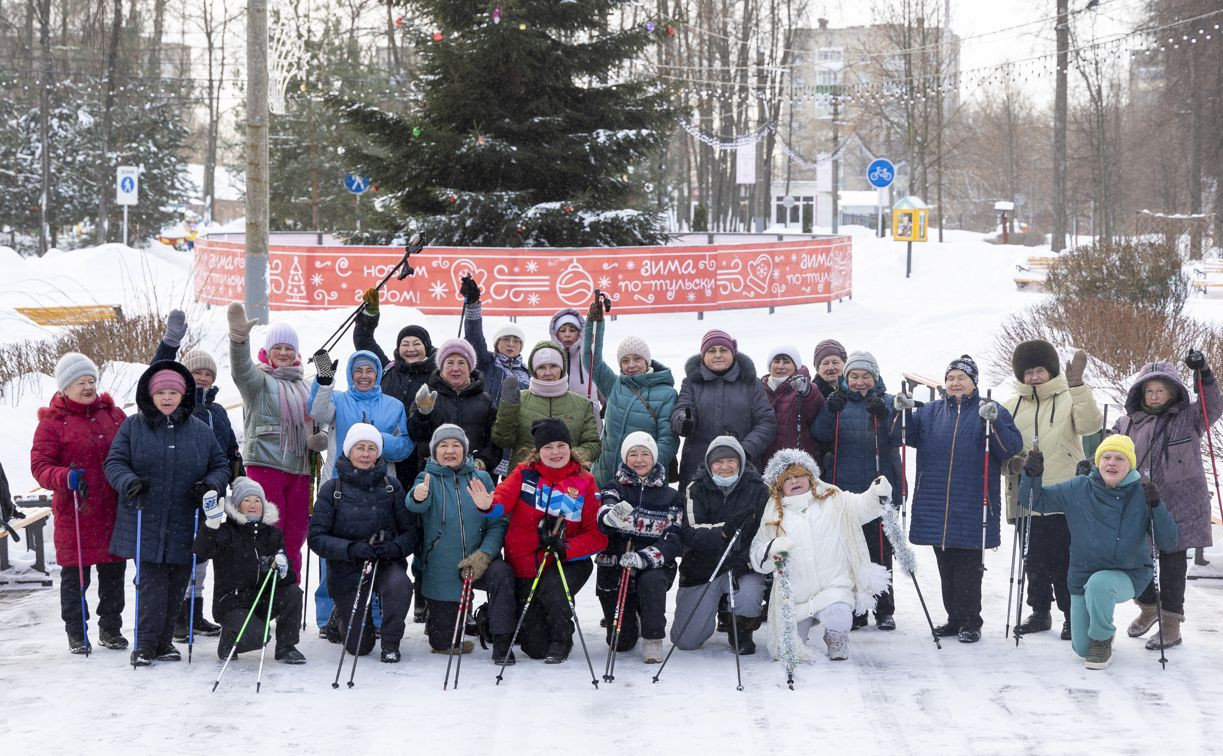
{"type": "Point", "coordinates": [464, 608]}
{"type": "Point", "coordinates": [136, 624]}
{"type": "Point", "coordinates": [456, 638]}
{"type": "Point", "coordinates": [922, 600]}
{"type": "Point", "coordinates": [985, 486]}
{"type": "Point", "coordinates": [195, 533]}
{"type": "Point", "coordinates": [522, 616]}
{"type": "Point", "coordinates": [1023, 562]}
{"type": "Point", "coordinates": [1209, 440]}
{"type": "Point", "coordinates": [904, 452]}
{"type": "Point", "coordinates": [609, 669]}
{"type": "Point", "coordinates": [356, 601]}
{"type": "Point", "coordinates": [560, 568]}
{"type": "Point", "coordinates": [734, 626]}
{"type": "Point", "coordinates": [414, 246]}
{"type": "Point", "coordinates": [306, 590]}
{"type": "Point", "coordinates": [1159, 607]}
{"type": "Point", "coordinates": [836, 445]}
{"type": "Point", "coordinates": [878, 472]}
{"type": "Point", "coordinates": [267, 627]}
{"type": "Point", "coordinates": [80, 569]}
{"type": "Point", "coordinates": [241, 631]}
{"type": "Point", "coordinates": [1010, 592]}
{"type": "Point", "coordinates": [361, 629]}
{"type": "Point", "coordinates": [712, 577]}
{"type": "Point", "coordinates": [315, 467]}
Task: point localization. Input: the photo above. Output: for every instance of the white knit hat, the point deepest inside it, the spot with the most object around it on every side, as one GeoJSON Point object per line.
{"type": "Point", "coordinates": [509, 329]}
{"type": "Point", "coordinates": [546, 356]}
{"type": "Point", "coordinates": [71, 367]}
{"type": "Point", "coordinates": [633, 345]}
{"type": "Point", "coordinates": [362, 432]}
{"type": "Point", "coordinates": [788, 350]}
{"type": "Point", "coordinates": [638, 438]}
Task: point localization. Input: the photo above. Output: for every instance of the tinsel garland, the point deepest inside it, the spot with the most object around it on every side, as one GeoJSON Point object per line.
{"type": "Point", "coordinates": [900, 544]}
{"type": "Point", "coordinates": [788, 641]}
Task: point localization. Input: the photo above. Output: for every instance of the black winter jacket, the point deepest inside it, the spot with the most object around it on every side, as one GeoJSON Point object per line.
{"type": "Point", "coordinates": [173, 453]}
{"type": "Point", "coordinates": [656, 523]}
{"type": "Point", "coordinates": [707, 509]}
{"type": "Point", "coordinates": [354, 506]}
{"type": "Point", "coordinates": [212, 414]}
{"type": "Point", "coordinates": [471, 409]}
{"type": "Point", "coordinates": [241, 552]}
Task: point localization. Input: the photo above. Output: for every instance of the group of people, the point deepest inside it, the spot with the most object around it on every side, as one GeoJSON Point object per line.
{"type": "Point", "coordinates": [522, 474]}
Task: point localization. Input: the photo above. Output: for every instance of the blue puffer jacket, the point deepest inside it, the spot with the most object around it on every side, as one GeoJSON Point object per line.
{"type": "Point", "coordinates": [173, 453]}
{"type": "Point", "coordinates": [625, 405]}
{"type": "Point", "coordinates": [949, 437]}
{"type": "Point", "coordinates": [341, 410]}
{"type": "Point", "coordinates": [446, 544]}
{"type": "Point", "coordinates": [493, 366]}
{"type": "Point", "coordinates": [1109, 527]}
{"type": "Point", "coordinates": [851, 463]}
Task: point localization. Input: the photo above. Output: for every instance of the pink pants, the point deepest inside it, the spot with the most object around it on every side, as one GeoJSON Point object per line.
{"type": "Point", "coordinates": [291, 494]}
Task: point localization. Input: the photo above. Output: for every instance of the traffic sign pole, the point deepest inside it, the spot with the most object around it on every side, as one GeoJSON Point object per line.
{"type": "Point", "coordinates": [881, 173]}
{"type": "Point", "coordinates": [125, 225]}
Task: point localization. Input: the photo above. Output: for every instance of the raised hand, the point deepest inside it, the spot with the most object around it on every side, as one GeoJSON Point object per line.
{"type": "Point", "coordinates": [324, 367]}
{"type": "Point", "coordinates": [425, 399]}
{"type": "Point", "coordinates": [176, 328]}
{"type": "Point", "coordinates": [239, 327]}
{"type": "Point", "coordinates": [370, 300]}
{"type": "Point", "coordinates": [480, 496]}
{"type": "Point", "coordinates": [421, 491]}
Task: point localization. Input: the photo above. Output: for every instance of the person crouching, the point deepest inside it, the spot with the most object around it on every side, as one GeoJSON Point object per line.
{"type": "Point", "coordinates": [243, 542]}
{"type": "Point", "coordinates": [359, 517]}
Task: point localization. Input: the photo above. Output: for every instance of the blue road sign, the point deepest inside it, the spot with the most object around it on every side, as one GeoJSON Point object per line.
{"type": "Point", "coordinates": [881, 173]}
{"type": "Point", "coordinates": [356, 184]}
{"type": "Point", "coordinates": [127, 184]}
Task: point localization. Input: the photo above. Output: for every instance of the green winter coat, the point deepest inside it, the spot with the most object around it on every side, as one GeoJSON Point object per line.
{"type": "Point", "coordinates": [261, 415]}
{"type": "Point", "coordinates": [512, 430]}
{"type": "Point", "coordinates": [625, 411]}
{"type": "Point", "coordinates": [444, 541]}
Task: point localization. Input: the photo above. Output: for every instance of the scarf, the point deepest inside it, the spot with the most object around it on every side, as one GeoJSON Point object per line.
{"type": "Point", "coordinates": [513, 367]}
{"type": "Point", "coordinates": [549, 389]}
{"type": "Point", "coordinates": [293, 397]}
{"type": "Point", "coordinates": [1158, 409]}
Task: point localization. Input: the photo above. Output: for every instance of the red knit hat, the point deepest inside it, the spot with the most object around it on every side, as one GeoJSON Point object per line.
{"type": "Point", "coordinates": [718, 338]}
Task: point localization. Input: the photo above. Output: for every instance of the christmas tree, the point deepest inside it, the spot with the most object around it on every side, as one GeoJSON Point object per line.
{"type": "Point", "coordinates": [523, 129]}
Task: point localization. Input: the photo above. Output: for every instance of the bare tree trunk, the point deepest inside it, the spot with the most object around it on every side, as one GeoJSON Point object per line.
{"type": "Point", "coordinates": [112, 61]}
{"type": "Point", "coordinates": [1195, 158]}
{"type": "Point", "coordinates": [44, 125]}
{"type": "Point", "coordinates": [1062, 29]}
{"type": "Point", "coordinates": [153, 66]}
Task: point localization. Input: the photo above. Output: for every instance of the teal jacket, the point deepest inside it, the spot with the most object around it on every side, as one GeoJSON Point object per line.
{"type": "Point", "coordinates": [443, 546]}
{"type": "Point", "coordinates": [624, 410]}
{"type": "Point", "coordinates": [1109, 527]}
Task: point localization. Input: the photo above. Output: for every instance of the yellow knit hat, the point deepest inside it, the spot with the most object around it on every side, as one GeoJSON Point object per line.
{"type": "Point", "coordinates": [1118, 443]}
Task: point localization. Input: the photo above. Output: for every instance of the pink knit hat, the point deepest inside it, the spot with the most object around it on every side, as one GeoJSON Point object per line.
{"type": "Point", "coordinates": [167, 379]}
{"type": "Point", "coordinates": [457, 347]}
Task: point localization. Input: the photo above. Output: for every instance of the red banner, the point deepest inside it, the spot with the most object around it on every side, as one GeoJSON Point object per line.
{"type": "Point", "coordinates": [540, 281]}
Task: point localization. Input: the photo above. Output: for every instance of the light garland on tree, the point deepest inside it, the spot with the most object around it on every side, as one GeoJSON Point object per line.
{"type": "Point", "coordinates": [788, 642]}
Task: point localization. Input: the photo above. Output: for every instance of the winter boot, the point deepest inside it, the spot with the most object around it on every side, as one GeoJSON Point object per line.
{"type": "Point", "coordinates": [332, 632]}
{"type": "Point", "coordinates": [968, 635]}
{"type": "Point", "coordinates": [1066, 629]}
{"type": "Point", "coordinates": [143, 657]}
{"type": "Point", "coordinates": [502, 651]}
{"type": "Point", "coordinates": [1144, 621]}
{"type": "Point", "coordinates": [885, 622]}
{"type": "Point", "coordinates": [420, 610]}
{"type": "Point", "coordinates": [182, 622]}
{"type": "Point", "coordinates": [723, 621]}
{"type": "Point", "coordinates": [1199, 557]}
{"type": "Point", "coordinates": [390, 653]}
{"type": "Point", "coordinates": [838, 645]}
{"type": "Point", "coordinates": [168, 652]}
{"type": "Point", "coordinates": [947, 630]}
{"type": "Point", "coordinates": [202, 625]}
{"type": "Point", "coordinates": [746, 626]}
{"type": "Point", "coordinates": [1099, 653]}
{"type": "Point", "coordinates": [77, 644]}
{"type": "Point", "coordinates": [466, 647]}
{"type": "Point", "coordinates": [651, 650]}
{"type": "Point", "coordinates": [558, 651]}
{"type": "Point", "coordinates": [1171, 632]}
{"type": "Point", "coordinates": [1037, 622]}
{"type": "Point", "coordinates": [112, 639]}
{"type": "Point", "coordinates": [860, 621]}
{"type": "Point", "coordinates": [289, 655]}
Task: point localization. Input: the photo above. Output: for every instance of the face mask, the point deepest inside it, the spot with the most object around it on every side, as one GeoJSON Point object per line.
{"type": "Point", "coordinates": [725, 482]}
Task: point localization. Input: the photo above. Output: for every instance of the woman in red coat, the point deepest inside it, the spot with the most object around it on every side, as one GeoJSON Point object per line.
{"type": "Point", "coordinates": [70, 446]}
{"type": "Point", "coordinates": [553, 506]}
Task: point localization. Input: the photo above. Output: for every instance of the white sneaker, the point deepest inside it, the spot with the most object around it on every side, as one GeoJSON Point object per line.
{"type": "Point", "coordinates": [838, 645]}
{"type": "Point", "coordinates": [651, 650]}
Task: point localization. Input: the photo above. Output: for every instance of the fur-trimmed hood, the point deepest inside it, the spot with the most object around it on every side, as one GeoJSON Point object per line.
{"type": "Point", "coordinates": [743, 371]}
{"type": "Point", "coordinates": [271, 513]}
{"type": "Point", "coordinates": [144, 399]}
{"type": "Point", "coordinates": [1165, 371]}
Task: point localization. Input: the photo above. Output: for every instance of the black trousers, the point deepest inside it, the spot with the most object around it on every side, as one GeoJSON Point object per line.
{"type": "Point", "coordinates": [498, 581]}
{"type": "Point", "coordinates": [1173, 568]}
{"type": "Point", "coordinates": [548, 619]}
{"type": "Point", "coordinates": [110, 596]}
{"type": "Point", "coordinates": [645, 603]}
{"type": "Point", "coordinates": [161, 594]}
{"type": "Point", "coordinates": [880, 549]}
{"type": "Point", "coordinates": [286, 612]}
{"type": "Point", "coordinates": [1048, 563]}
{"type": "Point", "coordinates": [960, 572]}
{"type": "Point", "coordinates": [394, 587]}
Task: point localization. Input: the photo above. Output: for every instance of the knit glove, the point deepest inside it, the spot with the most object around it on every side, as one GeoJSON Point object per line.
{"type": "Point", "coordinates": [134, 490]}
{"type": "Point", "coordinates": [470, 290]}
{"type": "Point", "coordinates": [324, 367]}
{"type": "Point", "coordinates": [633, 560]}
{"type": "Point", "coordinates": [510, 392]}
{"type": "Point", "coordinates": [1034, 465]}
{"type": "Point", "coordinates": [595, 313]}
{"type": "Point", "coordinates": [836, 401]}
{"type": "Point", "coordinates": [425, 399]}
{"type": "Point", "coordinates": [619, 517]}
{"type": "Point", "coordinates": [988, 411]}
{"type": "Point", "coordinates": [1195, 360]}
{"type": "Point", "coordinates": [213, 511]}
{"type": "Point", "coordinates": [475, 564]}
{"type": "Point", "coordinates": [1075, 367]}
{"type": "Point", "coordinates": [502, 469]}
{"type": "Point", "coordinates": [1150, 492]}
{"type": "Point", "coordinates": [176, 328]}
{"type": "Point", "coordinates": [876, 408]}
{"type": "Point", "coordinates": [282, 564]}
{"type": "Point", "coordinates": [239, 327]}
{"type": "Point", "coordinates": [370, 300]}
{"type": "Point", "coordinates": [801, 384]}
{"type": "Point", "coordinates": [902, 402]}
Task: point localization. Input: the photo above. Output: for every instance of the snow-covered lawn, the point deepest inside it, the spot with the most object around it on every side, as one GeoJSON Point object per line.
{"type": "Point", "coordinates": [897, 693]}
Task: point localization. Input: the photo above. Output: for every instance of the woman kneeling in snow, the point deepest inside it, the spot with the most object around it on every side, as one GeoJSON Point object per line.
{"type": "Point", "coordinates": [819, 529]}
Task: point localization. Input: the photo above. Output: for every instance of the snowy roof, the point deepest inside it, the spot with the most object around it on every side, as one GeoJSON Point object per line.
{"type": "Point", "coordinates": [230, 185]}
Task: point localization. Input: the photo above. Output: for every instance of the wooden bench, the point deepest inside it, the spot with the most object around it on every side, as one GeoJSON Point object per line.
{"type": "Point", "coordinates": [71, 315]}
{"type": "Point", "coordinates": [31, 526]}
{"type": "Point", "coordinates": [914, 380]}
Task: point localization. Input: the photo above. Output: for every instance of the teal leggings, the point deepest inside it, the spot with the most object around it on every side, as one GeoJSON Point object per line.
{"type": "Point", "coordinates": [1091, 612]}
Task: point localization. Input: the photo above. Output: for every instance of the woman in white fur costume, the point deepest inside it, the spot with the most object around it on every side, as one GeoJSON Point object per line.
{"type": "Point", "coordinates": [818, 527]}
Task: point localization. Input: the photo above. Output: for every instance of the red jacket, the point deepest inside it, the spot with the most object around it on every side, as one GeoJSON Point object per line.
{"type": "Point", "coordinates": [794, 417]}
{"type": "Point", "coordinates": [71, 434]}
{"type": "Point", "coordinates": [572, 491]}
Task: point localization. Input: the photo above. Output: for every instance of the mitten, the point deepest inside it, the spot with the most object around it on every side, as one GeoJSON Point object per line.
{"type": "Point", "coordinates": [988, 411]}
{"type": "Point", "coordinates": [836, 401]}
{"type": "Point", "coordinates": [370, 300]}
{"type": "Point", "coordinates": [239, 327]}
{"type": "Point", "coordinates": [619, 517]}
{"type": "Point", "coordinates": [876, 407]}
{"type": "Point", "coordinates": [510, 393]}
{"type": "Point", "coordinates": [176, 328]}
{"type": "Point", "coordinates": [633, 560]}
{"type": "Point", "coordinates": [595, 313]}
{"type": "Point", "coordinates": [475, 564]}
{"type": "Point", "coordinates": [213, 511]}
{"type": "Point", "coordinates": [1034, 465]}
{"type": "Point", "coordinates": [425, 399]}
{"type": "Point", "coordinates": [780, 545]}
{"type": "Point", "coordinates": [800, 384]}
{"type": "Point", "coordinates": [282, 565]}
{"type": "Point", "coordinates": [902, 402]}
{"type": "Point", "coordinates": [324, 367]}
{"type": "Point", "coordinates": [1075, 367]}
{"type": "Point", "coordinates": [1150, 492]}
{"type": "Point", "coordinates": [470, 290]}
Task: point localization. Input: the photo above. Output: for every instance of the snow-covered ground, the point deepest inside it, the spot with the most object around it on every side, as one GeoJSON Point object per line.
{"type": "Point", "coordinates": [897, 693]}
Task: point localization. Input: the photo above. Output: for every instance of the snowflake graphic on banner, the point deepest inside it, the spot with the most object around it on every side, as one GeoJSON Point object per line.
{"type": "Point", "coordinates": [438, 290]}
{"type": "Point", "coordinates": [316, 279]}
{"type": "Point", "coordinates": [691, 296]}
{"type": "Point", "coordinates": [532, 299]}
{"type": "Point", "coordinates": [532, 266]}
{"type": "Point", "coordinates": [631, 265]}
{"type": "Point", "coordinates": [604, 282]}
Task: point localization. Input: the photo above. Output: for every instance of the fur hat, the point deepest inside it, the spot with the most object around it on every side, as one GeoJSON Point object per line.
{"type": "Point", "coordinates": [71, 367]}
{"type": "Point", "coordinates": [784, 459]}
{"type": "Point", "coordinates": [715, 337]}
{"type": "Point", "coordinates": [827, 348]}
{"type": "Point", "coordinates": [633, 345]}
{"type": "Point", "coordinates": [638, 438]}
{"type": "Point", "coordinates": [723, 447]}
{"type": "Point", "coordinates": [167, 379]}
{"type": "Point", "coordinates": [966, 364]}
{"type": "Point", "coordinates": [862, 361]}
{"type": "Point", "coordinates": [549, 429]}
{"type": "Point", "coordinates": [198, 359]}
{"type": "Point", "coordinates": [456, 348]}
{"type": "Point", "coordinates": [362, 432]}
{"type": "Point", "coordinates": [1118, 443]}
{"type": "Point", "coordinates": [280, 333]}
{"type": "Point", "coordinates": [445, 431]}
{"type": "Point", "coordinates": [509, 329]}
{"type": "Point", "coordinates": [788, 350]}
{"type": "Point", "coordinates": [1033, 354]}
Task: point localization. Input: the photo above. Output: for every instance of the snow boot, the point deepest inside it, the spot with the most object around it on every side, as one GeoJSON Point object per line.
{"type": "Point", "coordinates": [77, 645]}
{"type": "Point", "coordinates": [1037, 622]}
{"type": "Point", "coordinates": [723, 621]}
{"type": "Point", "coordinates": [390, 653]}
{"type": "Point", "coordinates": [168, 652]}
{"type": "Point", "coordinates": [558, 651]}
{"type": "Point", "coordinates": [1099, 653]}
{"type": "Point", "coordinates": [838, 645]}
{"type": "Point", "coordinates": [142, 657]}
{"type": "Point", "coordinates": [1144, 621]}
{"type": "Point", "coordinates": [466, 647]}
{"type": "Point", "coordinates": [968, 635]}
{"type": "Point", "coordinates": [502, 651]}
{"type": "Point", "coordinates": [1066, 629]}
{"type": "Point", "coordinates": [202, 625]}
{"type": "Point", "coordinates": [746, 626]}
{"type": "Point", "coordinates": [885, 622]}
{"type": "Point", "coordinates": [112, 639]}
{"type": "Point", "coordinates": [289, 655]}
{"type": "Point", "coordinates": [947, 630]}
{"type": "Point", "coordinates": [182, 622]}
{"type": "Point", "coordinates": [860, 621]}
{"type": "Point", "coordinates": [1171, 632]}
{"type": "Point", "coordinates": [651, 650]}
